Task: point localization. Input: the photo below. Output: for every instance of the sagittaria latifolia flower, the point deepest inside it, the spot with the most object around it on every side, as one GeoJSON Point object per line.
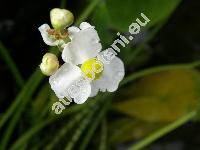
{"type": "Point", "coordinates": [93, 75]}
{"type": "Point", "coordinates": [84, 72]}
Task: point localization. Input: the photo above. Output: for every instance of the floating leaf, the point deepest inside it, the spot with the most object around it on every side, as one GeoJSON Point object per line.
{"type": "Point", "coordinates": [163, 97]}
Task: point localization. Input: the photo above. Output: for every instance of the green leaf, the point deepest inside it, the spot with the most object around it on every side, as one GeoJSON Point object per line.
{"type": "Point", "coordinates": [21, 100]}
{"type": "Point", "coordinates": [98, 118]}
{"type": "Point", "coordinates": [123, 13]}
{"type": "Point", "coordinates": [11, 65]}
{"type": "Point", "coordinates": [40, 101]}
{"type": "Point", "coordinates": [158, 93]}
{"type": "Point", "coordinates": [28, 90]}
{"type": "Point", "coordinates": [103, 137]}
{"type": "Point", "coordinates": [128, 129]}
{"type": "Point", "coordinates": [162, 132]}
{"type": "Point", "coordinates": [101, 20]}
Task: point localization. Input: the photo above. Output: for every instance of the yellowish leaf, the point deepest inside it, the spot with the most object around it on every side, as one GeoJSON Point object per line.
{"type": "Point", "coordinates": [163, 97]}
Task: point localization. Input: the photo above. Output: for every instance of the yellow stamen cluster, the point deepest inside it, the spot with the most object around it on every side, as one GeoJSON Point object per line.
{"type": "Point", "coordinates": [92, 68]}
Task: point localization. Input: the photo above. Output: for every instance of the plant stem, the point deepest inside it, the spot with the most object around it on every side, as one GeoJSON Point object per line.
{"type": "Point", "coordinates": [146, 40]}
{"type": "Point", "coordinates": [159, 69]}
{"type": "Point", "coordinates": [26, 91]}
{"type": "Point", "coordinates": [151, 71]}
{"type": "Point", "coordinates": [62, 132]}
{"type": "Point", "coordinates": [38, 127]}
{"type": "Point", "coordinates": [11, 65]}
{"type": "Point", "coordinates": [80, 130]}
{"type": "Point", "coordinates": [163, 131]}
{"type": "Point", "coordinates": [103, 140]}
{"type": "Point", "coordinates": [95, 124]}
{"type": "Point", "coordinates": [25, 95]}
{"type": "Point", "coordinates": [87, 11]}
{"type": "Point", "coordinates": [70, 125]}
{"type": "Point", "coordinates": [63, 3]}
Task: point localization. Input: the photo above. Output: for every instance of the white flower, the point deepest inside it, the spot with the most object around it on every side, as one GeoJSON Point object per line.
{"type": "Point", "coordinates": [94, 75]}
{"type": "Point", "coordinates": [111, 76]}
{"type": "Point", "coordinates": [84, 49]}
{"type": "Point", "coordinates": [49, 39]}
{"type": "Point", "coordinates": [69, 82]}
{"type": "Point", "coordinates": [83, 46]}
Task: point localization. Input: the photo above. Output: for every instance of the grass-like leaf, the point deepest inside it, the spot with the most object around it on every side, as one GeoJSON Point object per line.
{"type": "Point", "coordinates": [11, 65]}
{"type": "Point", "coordinates": [26, 92]}
{"type": "Point", "coordinates": [95, 123]}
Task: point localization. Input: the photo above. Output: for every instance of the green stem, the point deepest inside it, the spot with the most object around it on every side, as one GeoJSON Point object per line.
{"type": "Point", "coordinates": [79, 130]}
{"type": "Point", "coordinates": [63, 3]}
{"type": "Point", "coordinates": [85, 123]}
{"type": "Point", "coordinates": [23, 96]}
{"type": "Point", "coordinates": [142, 45]}
{"type": "Point", "coordinates": [159, 69]}
{"type": "Point", "coordinates": [103, 141]}
{"type": "Point", "coordinates": [65, 129]}
{"type": "Point", "coordinates": [70, 125]}
{"type": "Point", "coordinates": [163, 131]}
{"type": "Point", "coordinates": [38, 127]}
{"type": "Point", "coordinates": [26, 91]}
{"type": "Point", "coordinates": [95, 124]}
{"type": "Point", "coordinates": [156, 135]}
{"type": "Point", "coordinates": [91, 111]}
{"type": "Point", "coordinates": [83, 16]}
{"type": "Point", "coordinates": [125, 81]}
{"type": "Point", "coordinates": [29, 134]}
{"type": "Point", "coordinates": [11, 65]}
{"type": "Point", "coordinates": [88, 11]}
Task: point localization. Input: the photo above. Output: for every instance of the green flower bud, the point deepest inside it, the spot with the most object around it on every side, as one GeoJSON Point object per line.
{"type": "Point", "coordinates": [61, 18]}
{"type": "Point", "coordinates": [49, 64]}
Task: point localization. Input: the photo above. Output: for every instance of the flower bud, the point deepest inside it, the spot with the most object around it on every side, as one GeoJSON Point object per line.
{"type": "Point", "coordinates": [61, 18]}
{"type": "Point", "coordinates": [49, 64]}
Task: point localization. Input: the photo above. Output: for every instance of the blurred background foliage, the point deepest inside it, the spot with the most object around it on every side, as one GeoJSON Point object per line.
{"type": "Point", "coordinates": [160, 92]}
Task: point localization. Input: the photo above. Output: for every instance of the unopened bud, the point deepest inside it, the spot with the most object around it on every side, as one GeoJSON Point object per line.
{"type": "Point", "coordinates": [49, 64]}
{"type": "Point", "coordinates": [61, 18]}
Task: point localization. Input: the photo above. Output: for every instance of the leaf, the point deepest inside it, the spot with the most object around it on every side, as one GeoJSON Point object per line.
{"type": "Point", "coordinates": [101, 20]}
{"type": "Point", "coordinates": [123, 13]}
{"type": "Point", "coordinates": [40, 103]}
{"type": "Point", "coordinates": [173, 81]}
{"type": "Point", "coordinates": [4, 53]}
{"type": "Point", "coordinates": [163, 97]}
{"type": "Point", "coordinates": [21, 99]}
{"type": "Point", "coordinates": [41, 99]}
{"type": "Point", "coordinates": [128, 129]}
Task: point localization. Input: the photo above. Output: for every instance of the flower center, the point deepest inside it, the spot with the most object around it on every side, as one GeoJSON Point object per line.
{"type": "Point", "coordinates": [92, 68]}
{"type": "Point", "coordinates": [58, 34]}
